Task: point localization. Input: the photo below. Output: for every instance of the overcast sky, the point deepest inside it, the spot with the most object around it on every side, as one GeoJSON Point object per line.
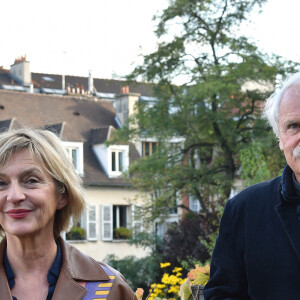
{"type": "Point", "coordinates": [107, 36]}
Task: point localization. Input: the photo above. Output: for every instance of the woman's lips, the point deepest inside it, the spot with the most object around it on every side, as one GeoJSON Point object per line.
{"type": "Point", "coordinates": [18, 213]}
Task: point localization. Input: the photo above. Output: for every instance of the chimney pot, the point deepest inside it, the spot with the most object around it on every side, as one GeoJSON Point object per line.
{"type": "Point", "coordinates": [125, 89]}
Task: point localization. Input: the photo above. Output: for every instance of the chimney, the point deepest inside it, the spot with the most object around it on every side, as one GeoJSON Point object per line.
{"type": "Point", "coordinates": [20, 71]}
{"type": "Point", "coordinates": [82, 89]}
{"type": "Point", "coordinates": [125, 89]}
{"type": "Point", "coordinates": [125, 104]}
{"type": "Point", "coordinates": [91, 83]}
{"type": "Point", "coordinates": [63, 82]}
{"type": "Point", "coordinates": [77, 90]}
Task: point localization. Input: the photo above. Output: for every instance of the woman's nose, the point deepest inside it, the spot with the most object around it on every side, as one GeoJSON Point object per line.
{"type": "Point", "coordinates": [15, 193]}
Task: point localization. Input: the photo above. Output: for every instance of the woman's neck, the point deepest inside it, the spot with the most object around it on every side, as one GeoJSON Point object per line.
{"type": "Point", "coordinates": [30, 254]}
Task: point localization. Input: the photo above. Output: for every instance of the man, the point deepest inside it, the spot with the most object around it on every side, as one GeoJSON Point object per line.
{"type": "Point", "coordinates": [257, 253]}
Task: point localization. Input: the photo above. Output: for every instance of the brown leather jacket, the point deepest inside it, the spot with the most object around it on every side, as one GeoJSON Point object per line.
{"type": "Point", "coordinates": [77, 269]}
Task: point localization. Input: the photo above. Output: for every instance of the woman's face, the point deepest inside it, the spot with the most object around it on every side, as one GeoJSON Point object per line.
{"type": "Point", "coordinates": [28, 197]}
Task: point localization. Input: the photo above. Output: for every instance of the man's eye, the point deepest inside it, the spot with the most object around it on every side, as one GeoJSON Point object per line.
{"type": "Point", "coordinates": [291, 128]}
{"type": "Point", "coordinates": [2, 183]}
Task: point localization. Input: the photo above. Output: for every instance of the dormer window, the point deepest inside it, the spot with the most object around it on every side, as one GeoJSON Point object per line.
{"type": "Point", "coordinates": [114, 159]}
{"type": "Point", "coordinates": [118, 159]}
{"type": "Point", "coordinates": [75, 152]}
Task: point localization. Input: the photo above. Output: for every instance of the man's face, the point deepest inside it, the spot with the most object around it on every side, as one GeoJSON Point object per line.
{"type": "Point", "coordinates": [289, 128]}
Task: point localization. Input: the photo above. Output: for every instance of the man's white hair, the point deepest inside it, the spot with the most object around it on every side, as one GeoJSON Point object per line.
{"type": "Point", "coordinates": [271, 109]}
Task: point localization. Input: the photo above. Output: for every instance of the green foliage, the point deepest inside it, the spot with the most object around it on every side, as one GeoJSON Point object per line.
{"type": "Point", "coordinates": [253, 164]}
{"type": "Point", "coordinates": [202, 124]}
{"type": "Point", "coordinates": [147, 240]}
{"type": "Point", "coordinates": [139, 272]}
{"type": "Point", "coordinates": [122, 233]}
{"type": "Point", "coordinates": [209, 244]}
{"type": "Point", "coordinates": [188, 263]}
{"type": "Point", "coordinates": [76, 233]}
{"type": "Point", "coordinates": [260, 162]}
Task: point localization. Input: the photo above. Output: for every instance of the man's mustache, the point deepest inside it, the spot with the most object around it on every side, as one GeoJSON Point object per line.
{"type": "Point", "coordinates": [296, 152]}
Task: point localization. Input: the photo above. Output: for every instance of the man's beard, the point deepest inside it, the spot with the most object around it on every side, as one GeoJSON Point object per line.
{"type": "Point", "coordinates": [296, 152]}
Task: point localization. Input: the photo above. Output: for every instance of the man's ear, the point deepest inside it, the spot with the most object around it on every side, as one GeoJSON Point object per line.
{"type": "Point", "coordinates": [280, 145]}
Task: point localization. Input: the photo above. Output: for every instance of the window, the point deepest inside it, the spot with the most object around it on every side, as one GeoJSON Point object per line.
{"type": "Point", "coordinates": [117, 222]}
{"type": "Point", "coordinates": [86, 228]}
{"type": "Point", "coordinates": [173, 210]}
{"type": "Point", "coordinates": [148, 148]}
{"type": "Point", "coordinates": [73, 155]}
{"type": "Point", "coordinates": [162, 228]}
{"type": "Point", "coordinates": [75, 152]}
{"type": "Point", "coordinates": [194, 204]}
{"type": "Point", "coordinates": [119, 216]}
{"type": "Point", "coordinates": [118, 160]}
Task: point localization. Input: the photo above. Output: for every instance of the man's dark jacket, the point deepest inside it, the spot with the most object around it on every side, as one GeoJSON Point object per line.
{"type": "Point", "coordinates": [257, 253]}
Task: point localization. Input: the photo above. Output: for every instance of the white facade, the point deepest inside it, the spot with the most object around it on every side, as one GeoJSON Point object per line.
{"type": "Point", "coordinates": [96, 244]}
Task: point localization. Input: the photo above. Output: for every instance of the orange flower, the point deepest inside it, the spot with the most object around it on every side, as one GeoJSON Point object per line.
{"type": "Point", "coordinates": [139, 293]}
{"type": "Point", "coordinates": [194, 273]}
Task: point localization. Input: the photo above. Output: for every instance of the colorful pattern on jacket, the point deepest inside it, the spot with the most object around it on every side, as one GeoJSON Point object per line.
{"type": "Point", "coordinates": [99, 290]}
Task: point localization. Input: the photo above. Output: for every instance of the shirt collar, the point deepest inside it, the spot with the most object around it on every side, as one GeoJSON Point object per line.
{"type": "Point", "coordinates": [54, 271]}
{"type": "Point", "coordinates": [9, 272]}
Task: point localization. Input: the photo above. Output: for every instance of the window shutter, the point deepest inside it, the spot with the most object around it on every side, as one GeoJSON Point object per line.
{"type": "Point", "coordinates": [107, 222]}
{"type": "Point", "coordinates": [92, 223]}
{"type": "Point", "coordinates": [136, 219]}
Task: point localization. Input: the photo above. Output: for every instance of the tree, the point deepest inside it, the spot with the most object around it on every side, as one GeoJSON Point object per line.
{"type": "Point", "coordinates": [182, 242]}
{"type": "Point", "coordinates": [261, 161]}
{"type": "Point", "coordinates": [214, 112]}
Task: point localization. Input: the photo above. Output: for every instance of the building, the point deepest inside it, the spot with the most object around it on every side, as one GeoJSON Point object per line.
{"type": "Point", "coordinates": [20, 78]}
{"type": "Point", "coordinates": [85, 126]}
{"type": "Point", "coordinates": [85, 111]}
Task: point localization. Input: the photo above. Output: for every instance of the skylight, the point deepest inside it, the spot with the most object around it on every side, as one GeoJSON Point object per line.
{"type": "Point", "coordinates": [47, 78]}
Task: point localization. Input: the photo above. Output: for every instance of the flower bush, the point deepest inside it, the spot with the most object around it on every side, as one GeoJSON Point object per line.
{"type": "Point", "coordinates": [173, 285]}
{"type": "Point", "coordinates": [169, 285]}
{"type": "Point", "coordinates": [76, 233]}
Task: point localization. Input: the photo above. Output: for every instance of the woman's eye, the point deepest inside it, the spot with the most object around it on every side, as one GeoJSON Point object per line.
{"type": "Point", "coordinates": [31, 180]}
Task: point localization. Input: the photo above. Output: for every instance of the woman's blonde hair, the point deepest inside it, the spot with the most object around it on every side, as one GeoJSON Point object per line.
{"type": "Point", "coordinates": [50, 153]}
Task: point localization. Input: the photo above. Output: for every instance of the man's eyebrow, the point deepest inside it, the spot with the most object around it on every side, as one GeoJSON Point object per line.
{"type": "Point", "coordinates": [289, 122]}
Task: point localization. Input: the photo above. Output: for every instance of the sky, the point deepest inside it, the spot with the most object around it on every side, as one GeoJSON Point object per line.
{"type": "Point", "coordinates": [108, 36]}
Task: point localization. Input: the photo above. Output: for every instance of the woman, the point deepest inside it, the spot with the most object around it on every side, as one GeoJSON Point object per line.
{"type": "Point", "coordinates": [39, 192]}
